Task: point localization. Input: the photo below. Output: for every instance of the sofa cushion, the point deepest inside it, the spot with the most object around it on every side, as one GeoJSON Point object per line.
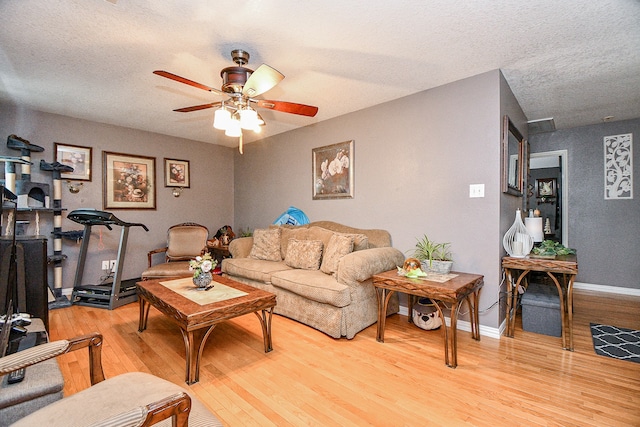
{"type": "Point", "coordinates": [254, 269]}
{"type": "Point", "coordinates": [319, 233]}
{"type": "Point", "coordinates": [360, 241]}
{"type": "Point", "coordinates": [305, 254]}
{"type": "Point", "coordinates": [266, 244]}
{"type": "Point", "coordinates": [376, 238]}
{"type": "Point", "coordinates": [313, 285]}
{"type": "Point", "coordinates": [339, 245]}
{"type": "Point", "coordinates": [290, 233]}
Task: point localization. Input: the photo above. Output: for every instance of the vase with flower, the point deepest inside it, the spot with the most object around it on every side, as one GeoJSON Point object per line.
{"type": "Point", "coordinates": [202, 267]}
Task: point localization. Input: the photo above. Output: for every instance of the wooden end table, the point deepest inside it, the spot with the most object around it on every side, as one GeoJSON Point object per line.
{"type": "Point", "coordinates": [463, 287]}
{"type": "Point", "coordinates": [219, 252]}
{"type": "Point", "coordinates": [563, 267]}
{"type": "Point", "coordinates": [195, 318]}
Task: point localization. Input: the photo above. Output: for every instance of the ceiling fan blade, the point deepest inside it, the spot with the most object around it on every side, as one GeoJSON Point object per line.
{"type": "Point", "coordinates": [187, 81]}
{"type": "Point", "coordinates": [198, 107]}
{"type": "Point", "coordinates": [288, 107]}
{"type": "Point", "coordinates": [261, 80]}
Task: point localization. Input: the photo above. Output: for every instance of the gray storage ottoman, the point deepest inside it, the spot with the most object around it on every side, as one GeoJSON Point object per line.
{"type": "Point", "coordinates": [541, 310]}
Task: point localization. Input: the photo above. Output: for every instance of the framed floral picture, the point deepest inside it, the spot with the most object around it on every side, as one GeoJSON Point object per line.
{"type": "Point", "coordinates": [128, 181]}
{"type": "Point", "coordinates": [78, 157]}
{"type": "Point", "coordinates": [176, 173]}
{"type": "Point", "coordinates": [332, 171]}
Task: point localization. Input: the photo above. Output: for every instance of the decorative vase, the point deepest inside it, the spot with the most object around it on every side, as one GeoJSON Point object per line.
{"type": "Point", "coordinates": [203, 280]}
{"type": "Point", "coordinates": [441, 267]}
{"type": "Point", "coordinates": [517, 241]}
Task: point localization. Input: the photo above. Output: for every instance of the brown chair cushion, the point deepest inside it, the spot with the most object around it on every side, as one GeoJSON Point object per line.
{"type": "Point", "coordinates": [167, 269]}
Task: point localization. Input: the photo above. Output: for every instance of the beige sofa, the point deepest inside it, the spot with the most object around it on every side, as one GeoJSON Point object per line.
{"type": "Point", "coordinates": [320, 272]}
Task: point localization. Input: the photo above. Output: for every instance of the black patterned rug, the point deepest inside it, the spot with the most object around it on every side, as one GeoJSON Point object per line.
{"type": "Point", "coordinates": [619, 343]}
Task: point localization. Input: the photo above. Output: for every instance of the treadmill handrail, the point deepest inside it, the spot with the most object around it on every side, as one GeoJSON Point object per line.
{"type": "Point", "coordinates": [96, 217]}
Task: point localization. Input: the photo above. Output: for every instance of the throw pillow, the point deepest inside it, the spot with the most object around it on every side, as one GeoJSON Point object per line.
{"type": "Point", "coordinates": [339, 246]}
{"type": "Point", "coordinates": [266, 244]}
{"type": "Point", "coordinates": [304, 254]}
{"type": "Point", "coordinates": [360, 241]}
{"type": "Point", "coordinates": [291, 233]}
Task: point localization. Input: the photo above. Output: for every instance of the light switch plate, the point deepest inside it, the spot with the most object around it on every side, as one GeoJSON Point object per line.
{"type": "Point", "coordinates": [476, 190]}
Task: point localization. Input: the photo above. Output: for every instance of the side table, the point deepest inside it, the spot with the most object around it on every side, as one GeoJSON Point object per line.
{"type": "Point", "coordinates": [219, 252]}
{"type": "Point", "coordinates": [563, 267]}
{"type": "Point", "coordinates": [462, 287]}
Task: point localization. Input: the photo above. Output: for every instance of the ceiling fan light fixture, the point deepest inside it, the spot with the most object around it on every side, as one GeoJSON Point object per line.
{"type": "Point", "coordinates": [221, 118]}
{"type": "Point", "coordinates": [233, 128]}
{"type": "Point", "coordinates": [248, 118]}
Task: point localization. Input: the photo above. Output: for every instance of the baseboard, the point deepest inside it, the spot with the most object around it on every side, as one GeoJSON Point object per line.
{"type": "Point", "coordinates": [497, 332]}
{"type": "Point", "coordinates": [463, 325]}
{"type": "Point", "coordinates": [609, 289]}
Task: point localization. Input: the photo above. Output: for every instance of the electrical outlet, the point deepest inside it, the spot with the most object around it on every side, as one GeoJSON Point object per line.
{"type": "Point", "coordinates": [476, 190]}
{"type": "Point", "coordinates": [112, 265]}
{"type": "Point", "coordinates": [105, 265]}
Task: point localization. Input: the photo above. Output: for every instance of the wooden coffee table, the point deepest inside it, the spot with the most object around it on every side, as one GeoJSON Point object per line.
{"type": "Point", "coordinates": [462, 287]}
{"type": "Point", "coordinates": [198, 312]}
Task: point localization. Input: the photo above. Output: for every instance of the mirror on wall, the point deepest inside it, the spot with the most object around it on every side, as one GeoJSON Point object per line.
{"type": "Point", "coordinates": [512, 158]}
{"type": "Point", "coordinates": [547, 191]}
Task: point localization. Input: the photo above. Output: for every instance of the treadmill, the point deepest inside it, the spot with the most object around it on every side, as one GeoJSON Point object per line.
{"type": "Point", "coordinates": [108, 295]}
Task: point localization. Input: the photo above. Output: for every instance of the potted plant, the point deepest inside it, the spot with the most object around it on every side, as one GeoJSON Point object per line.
{"type": "Point", "coordinates": [435, 257]}
{"type": "Point", "coordinates": [550, 249]}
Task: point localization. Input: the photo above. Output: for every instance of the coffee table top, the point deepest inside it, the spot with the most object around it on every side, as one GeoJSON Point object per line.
{"type": "Point", "coordinates": [451, 290]}
{"type": "Point", "coordinates": [191, 315]}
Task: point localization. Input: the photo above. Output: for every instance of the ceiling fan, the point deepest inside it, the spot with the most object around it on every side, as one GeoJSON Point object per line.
{"type": "Point", "coordinates": [241, 85]}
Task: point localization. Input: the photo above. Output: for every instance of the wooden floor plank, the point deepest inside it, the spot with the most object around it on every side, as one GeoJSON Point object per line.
{"type": "Point", "coordinates": [312, 379]}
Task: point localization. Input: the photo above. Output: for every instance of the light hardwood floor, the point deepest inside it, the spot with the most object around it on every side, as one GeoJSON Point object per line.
{"type": "Point", "coordinates": [312, 379]}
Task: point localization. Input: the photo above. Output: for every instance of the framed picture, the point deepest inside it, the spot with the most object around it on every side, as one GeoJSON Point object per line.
{"type": "Point", "coordinates": [512, 158]}
{"type": "Point", "coordinates": [128, 181]}
{"type": "Point", "coordinates": [546, 187]}
{"type": "Point", "coordinates": [176, 173]}
{"type": "Point", "coordinates": [79, 158]}
{"type": "Point", "coordinates": [332, 171]}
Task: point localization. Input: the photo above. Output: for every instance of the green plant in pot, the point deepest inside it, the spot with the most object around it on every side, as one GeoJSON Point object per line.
{"type": "Point", "coordinates": [435, 257]}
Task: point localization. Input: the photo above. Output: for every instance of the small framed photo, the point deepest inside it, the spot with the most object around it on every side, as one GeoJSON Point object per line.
{"type": "Point", "coordinates": [176, 173]}
{"type": "Point", "coordinates": [546, 187]}
{"type": "Point", "coordinates": [332, 171]}
{"type": "Point", "coordinates": [78, 157]}
{"type": "Point", "coordinates": [128, 181]}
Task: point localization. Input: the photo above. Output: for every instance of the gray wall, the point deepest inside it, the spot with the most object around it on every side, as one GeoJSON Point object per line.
{"type": "Point", "coordinates": [508, 203]}
{"type": "Point", "coordinates": [414, 161]}
{"type": "Point", "coordinates": [604, 232]}
{"type": "Point", "coordinates": [209, 201]}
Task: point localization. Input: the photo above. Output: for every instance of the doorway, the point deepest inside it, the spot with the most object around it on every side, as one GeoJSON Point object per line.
{"type": "Point", "coordinates": [547, 191]}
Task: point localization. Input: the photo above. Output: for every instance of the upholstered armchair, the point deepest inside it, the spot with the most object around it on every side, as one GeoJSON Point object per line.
{"type": "Point", "coordinates": [131, 399]}
{"type": "Point", "coordinates": [184, 242]}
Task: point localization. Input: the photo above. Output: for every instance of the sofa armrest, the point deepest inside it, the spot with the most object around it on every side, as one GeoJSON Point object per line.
{"type": "Point", "coordinates": [49, 350]}
{"type": "Point", "coordinates": [241, 247]}
{"type": "Point", "coordinates": [359, 266]}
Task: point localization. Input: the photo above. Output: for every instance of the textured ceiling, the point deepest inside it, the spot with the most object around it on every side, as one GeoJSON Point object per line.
{"type": "Point", "coordinates": [572, 60]}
